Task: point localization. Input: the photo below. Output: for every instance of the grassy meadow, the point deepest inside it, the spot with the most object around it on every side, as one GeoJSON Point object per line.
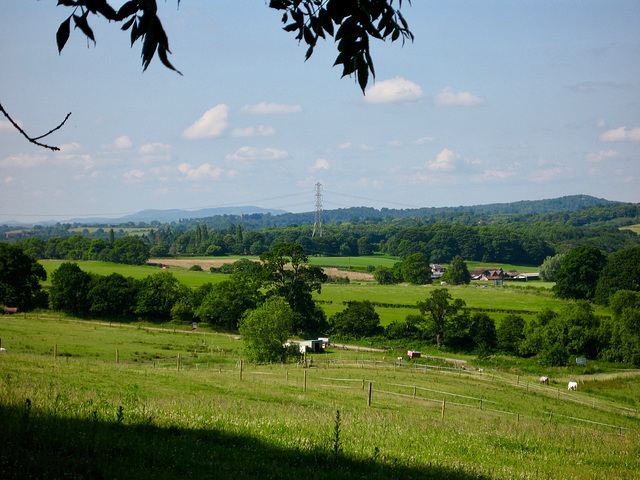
{"type": "Point", "coordinates": [82, 415]}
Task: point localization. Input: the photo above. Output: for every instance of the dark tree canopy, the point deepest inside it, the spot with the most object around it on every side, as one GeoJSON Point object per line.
{"type": "Point", "coordinates": [440, 312]}
{"type": "Point", "coordinates": [358, 320]}
{"type": "Point", "coordinates": [578, 274]}
{"type": "Point", "coordinates": [622, 272]}
{"type": "Point", "coordinates": [69, 289]}
{"type": "Point", "coordinates": [20, 276]}
{"type": "Point", "coordinates": [351, 22]}
{"type": "Point", "coordinates": [416, 269]}
{"type": "Point", "coordinates": [457, 272]}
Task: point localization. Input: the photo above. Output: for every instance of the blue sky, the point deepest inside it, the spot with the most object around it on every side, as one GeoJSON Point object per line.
{"type": "Point", "coordinates": [495, 101]}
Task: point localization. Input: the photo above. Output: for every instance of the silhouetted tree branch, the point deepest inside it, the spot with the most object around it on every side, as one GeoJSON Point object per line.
{"type": "Point", "coordinates": [34, 140]}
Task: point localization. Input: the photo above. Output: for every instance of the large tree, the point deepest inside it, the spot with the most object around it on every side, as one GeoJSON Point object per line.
{"type": "Point", "coordinates": [457, 272]}
{"type": "Point", "coordinates": [20, 276]}
{"type": "Point", "coordinates": [622, 272]}
{"type": "Point", "coordinates": [358, 320]}
{"type": "Point", "coordinates": [440, 310]}
{"type": "Point", "coordinates": [286, 273]}
{"type": "Point", "coordinates": [416, 269]}
{"type": "Point", "coordinates": [265, 331]}
{"type": "Point", "coordinates": [69, 289]}
{"type": "Point", "coordinates": [228, 300]}
{"type": "Point", "coordinates": [578, 274]}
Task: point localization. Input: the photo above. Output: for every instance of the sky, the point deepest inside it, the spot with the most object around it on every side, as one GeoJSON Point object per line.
{"type": "Point", "coordinates": [494, 101]}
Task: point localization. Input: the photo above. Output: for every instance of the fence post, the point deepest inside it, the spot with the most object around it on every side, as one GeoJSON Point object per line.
{"type": "Point", "coordinates": [558, 396]}
{"type": "Point", "coordinates": [480, 404]}
{"type": "Point", "coordinates": [369, 396]}
{"type": "Point", "coordinates": [305, 381]}
{"type": "Point", "coordinates": [287, 375]}
{"type": "Point", "coordinates": [517, 420]}
{"type": "Point", "coordinates": [178, 364]}
{"type": "Point", "coordinates": [518, 381]}
{"type": "Point", "coordinates": [550, 417]}
{"type": "Point", "coordinates": [414, 392]}
{"type": "Point", "coordinates": [117, 356]}
{"type": "Point", "coordinates": [363, 384]}
{"type": "Point", "coordinates": [240, 369]}
{"type": "Point", "coordinates": [444, 403]}
{"type": "Point", "coordinates": [55, 351]}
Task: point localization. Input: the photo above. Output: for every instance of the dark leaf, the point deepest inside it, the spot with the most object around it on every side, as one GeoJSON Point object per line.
{"type": "Point", "coordinates": [67, 3]}
{"type": "Point", "coordinates": [63, 34]}
{"type": "Point", "coordinates": [130, 8]}
{"type": "Point", "coordinates": [81, 23]}
{"type": "Point", "coordinates": [128, 24]}
{"type": "Point", "coordinates": [162, 53]}
{"type": "Point", "coordinates": [292, 27]}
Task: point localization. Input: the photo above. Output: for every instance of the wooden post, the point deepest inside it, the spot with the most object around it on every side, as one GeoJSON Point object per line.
{"type": "Point", "coordinates": [394, 365]}
{"type": "Point", "coordinates": [178, 362]}
{"type": "Point", "coordinates": [550, 417]}
{"type": "Point", "coordinates": [518, 381]}
{"type": "Point", "coordinates": [304, 389]}
{"type": "Point", "coordinates": [287, 375]}
{"type": "Point", "coordinates": [517, 420]}
{"type": "Point", "coordinates": [55, 351]}
{"type": "Point", "coordinates": [240, 369]}
{"type": "Point", "coordinates": [444, 402]}
{"type": "Point", "coordinates": [369, 396]}
{"type": "Point", "coordinates": [117, 356]}
{"type": "Point", "coordinates": [527, 385]}
{"type": "Point", "coordinates": [414, 392]}
{"type": "Point", "coordinates": [480, 404]}
{"type": "Point", "coordinates": [363, 384]}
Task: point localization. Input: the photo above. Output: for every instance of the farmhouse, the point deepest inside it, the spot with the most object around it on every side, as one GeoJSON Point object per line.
{"type": "Point", "coordinates": [484, 273]}
{"type": "Point", "coordinates": [437, 270]}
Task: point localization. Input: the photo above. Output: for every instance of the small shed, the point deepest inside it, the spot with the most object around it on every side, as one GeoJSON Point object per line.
{"type": "Point", "coordinates": [326, 341]}
{"type": "Point", "coordinates": [311, 346]}
{"type": "Point", "coordinates": [413, 354]}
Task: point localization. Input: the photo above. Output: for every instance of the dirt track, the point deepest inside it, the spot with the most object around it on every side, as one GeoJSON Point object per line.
{"type": "Point", "coordinates": [206, 264]}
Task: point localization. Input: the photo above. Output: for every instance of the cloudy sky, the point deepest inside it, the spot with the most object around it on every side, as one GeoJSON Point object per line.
{"type": "Point", "coordinates": [495, 101]}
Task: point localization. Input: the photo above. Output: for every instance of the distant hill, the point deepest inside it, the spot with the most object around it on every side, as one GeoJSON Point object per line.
{"type": "Point", "coordinates": [174, 215]}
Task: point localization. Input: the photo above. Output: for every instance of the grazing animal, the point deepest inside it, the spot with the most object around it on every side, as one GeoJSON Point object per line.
{"type": "Point", "coordinates": [573, 386]}
{"type": "Point", "coordinates": [544, 380]}
{"type": "Point", "coordinates": [3, 350]}
{"type": "Point", "coordinates": [10, 310]}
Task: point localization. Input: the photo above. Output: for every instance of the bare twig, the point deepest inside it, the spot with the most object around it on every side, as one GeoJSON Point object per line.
{"type": "Point", "coordinates": [34, 140]}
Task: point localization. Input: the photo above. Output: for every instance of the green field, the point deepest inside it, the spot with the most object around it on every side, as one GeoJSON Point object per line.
{"type": "Point", "coordinates": [524, 298]}
{"type": "Point", "coordinates": [82, 415]}
{"type": "Point", "coordinates": [633, 228]}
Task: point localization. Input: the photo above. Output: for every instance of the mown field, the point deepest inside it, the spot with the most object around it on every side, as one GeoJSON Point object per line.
{"type": "Point", "coordinates": [82, 415]}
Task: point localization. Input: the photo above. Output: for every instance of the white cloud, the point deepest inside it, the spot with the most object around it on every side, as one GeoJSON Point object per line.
{"type": "Point", "coordinates": [252, 153]}
{"type": "Point", "coordinates": [133, 176]}
{"type": "Point", "coordinates": [345, 145]}
{"type": "Point", "coordinates": [366, 182]}
{"type": "Point", "coordinates": [122, 142]}
{"type": "Point", "coordinates": [443, 161]}
{"type": "Point", "coordinates": [424, 140]}
{"type": "Point", "coordinates": [206, 170]}
{"type": "Point", "coordinates": [69, 148]}
{"type": "Point", "coordinates": [321, 164]}
{"type": "Point", "coordinates": [211, 124]}
{"type": "Point", "coordinates": [448, 97]}
{"type": "Point", "coordinates": [601, 123]}
{"type": "Point", "coordinates": [260, 131]}
{"type": "Point", "coordinates": [271, 108]}
{"type": "Point", "coordinates": [601, 156]}
{"type": "Point", "coordinates": [154, 151]}
{"type": "Point", "coordinates": [8, 180]}
{"type": "Point", "coordinates": [394, 143]}
{"type": "Point", "coordinates": [392, 91]}
{"type": "Point", "coordinates": [621, 135]}
{"type": "Point", "coordinates": [490, 175]}
{"type": "Point", "coordinates": [23, 161]}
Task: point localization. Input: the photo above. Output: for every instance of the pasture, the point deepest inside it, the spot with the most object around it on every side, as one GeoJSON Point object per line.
{"type": "Point", "coordinates": [82, 415]}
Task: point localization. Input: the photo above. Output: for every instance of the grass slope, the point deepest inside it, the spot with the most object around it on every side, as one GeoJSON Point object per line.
{"type": "Point", "coordinates": [81, 415]}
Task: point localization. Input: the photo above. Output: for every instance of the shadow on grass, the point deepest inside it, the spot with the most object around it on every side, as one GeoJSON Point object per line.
{"type": "Point", "coordinates": [49, 447]}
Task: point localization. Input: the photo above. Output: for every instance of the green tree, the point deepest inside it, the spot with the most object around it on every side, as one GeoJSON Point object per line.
{"type": "Point", "coordinates": [112, 295]}
{"type": "Point", "coordinates": [158, 294]}
{"type": "Point", "coordinates": [578, 274]}
{"type": "Point", "coordinates": [69, 289]}
{"type": "Point", "coordinates": [549, 267]}
{"type": "Point", "coordinates": [265, 331]}
{"type": "Point", "coordinates": [20, 276]}
{"type": "Point", "coordinates": [510, 333]}
{"type": "Point", "coordinates": [405, 329]}
{"type": "Point", "coordinates": [286, 274]}
{"type": "Point", "coordinates": [416, 269]}
{"type": "Point", "coordinates": [385, 276]}
{"type": "Point", "coordinates": [457, 272]}
{"type": "Point", "coordinates": [358, 320]}
{"type": "Point", "coordinates": [440, 312]}
{"type": "Point", "coordinates": [227, 301]}
{"type": "Point", "coordinates": [34, 247]}
{"type": "Point", "coordinates": [623, 328]}
{"type": "Point", "coordinates": [483, 333]}
{"type": "Point", "coordinates": [130, 251]}
{"type": "Point", "coordinates": [622, 272]}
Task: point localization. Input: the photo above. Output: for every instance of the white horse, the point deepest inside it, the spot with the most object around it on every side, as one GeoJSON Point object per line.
{"type": "Point", "coordinates": [544, 380]}
{"type": "Point", "coordinates": [573, 386]}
